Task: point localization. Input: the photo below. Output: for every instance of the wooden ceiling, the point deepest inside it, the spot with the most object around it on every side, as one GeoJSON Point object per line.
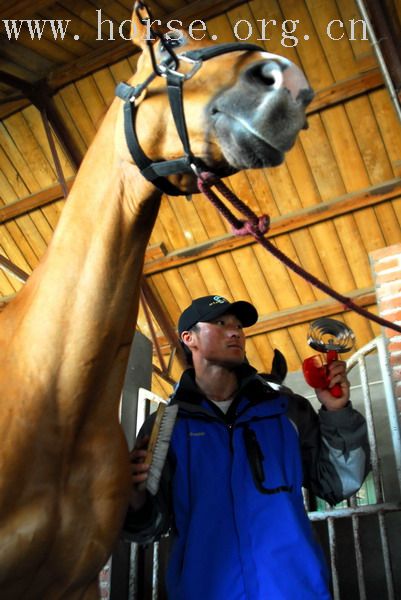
{"type": "Point", "coordinates": [336, 198]}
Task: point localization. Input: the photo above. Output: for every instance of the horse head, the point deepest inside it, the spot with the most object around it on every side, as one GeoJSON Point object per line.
{"type": "Point", "coordinates": [242, 107]}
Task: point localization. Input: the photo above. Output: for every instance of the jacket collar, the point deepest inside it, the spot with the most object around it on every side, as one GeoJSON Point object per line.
{"type": "Point", "coordinates": [249, 382]}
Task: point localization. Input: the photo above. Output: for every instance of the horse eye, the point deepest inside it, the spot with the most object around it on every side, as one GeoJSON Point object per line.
{"type": "Point", "coordinates": [174, 40]}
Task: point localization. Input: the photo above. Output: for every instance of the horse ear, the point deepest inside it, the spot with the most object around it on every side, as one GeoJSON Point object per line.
{"type": "Point", "coordinates": [139, 31]}
{"type": "Point", "coordinates": [279, 366]}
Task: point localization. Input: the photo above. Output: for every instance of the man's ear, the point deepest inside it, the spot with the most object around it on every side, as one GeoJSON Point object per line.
{"type": "Point", "coordinates": [185, 337]}
{"type": "Point", "coordinates": [188, 338]}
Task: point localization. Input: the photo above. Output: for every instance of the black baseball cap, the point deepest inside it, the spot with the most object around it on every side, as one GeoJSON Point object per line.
{"type": "Point", "coordinates": [208, 308]}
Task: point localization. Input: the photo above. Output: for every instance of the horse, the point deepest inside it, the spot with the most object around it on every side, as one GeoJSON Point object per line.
{"type": "Point", "coordinates": [65, 338]}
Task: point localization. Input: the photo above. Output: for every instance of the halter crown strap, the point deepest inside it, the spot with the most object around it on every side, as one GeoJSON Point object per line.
{"type": "Point", "coordinates": [157, 172]}
{"type": "Point", "coordinates": [218, 49]}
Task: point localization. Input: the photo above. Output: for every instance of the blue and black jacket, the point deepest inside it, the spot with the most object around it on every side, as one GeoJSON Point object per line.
{"type": "Point", "coordinates": [231, 491]}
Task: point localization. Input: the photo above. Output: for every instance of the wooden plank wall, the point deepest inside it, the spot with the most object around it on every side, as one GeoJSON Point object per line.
{"type": "Point", "coordinates": [348, 147]}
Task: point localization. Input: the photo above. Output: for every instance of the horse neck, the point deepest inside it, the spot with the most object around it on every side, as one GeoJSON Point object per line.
{"type": "Point", "coordinates": [79, 307]}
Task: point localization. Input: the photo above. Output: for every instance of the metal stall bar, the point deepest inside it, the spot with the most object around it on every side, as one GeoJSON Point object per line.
{"type": "Point", "coordinates": [391, 403]}
{"type": "Point", "coordinates": [355, 513]}
{"type": "Point", "coordinates": [379, 344]}
{"type": "Point", "coordinates": [353, 501]}
{"type": "Point", "coordinates": [358, 552]}
{"type": "Point", "coordinates": [155, 572]}
{"type": "Point", "coordinates": [332, 543]}
{"type": "Point", "coordinates": [386, 558]}
{"type": "Point", "coordinates": [133, 573]}
{"type": "Point", "coordinates": [376, 474]}
{"type": "Point", "coordinates": [361, 511]}
{"type": "Point", "coordinates": [367, 401]}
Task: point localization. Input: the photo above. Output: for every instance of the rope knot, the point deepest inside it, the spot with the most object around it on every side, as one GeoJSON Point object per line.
{"type": "Point", "coordinates": [257, 227]}
{"type": "Point", "coordinates": [207, 178]}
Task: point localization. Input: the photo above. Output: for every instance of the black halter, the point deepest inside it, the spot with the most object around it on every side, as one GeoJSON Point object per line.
{"type": "Point", "coordinates": [157, 172]}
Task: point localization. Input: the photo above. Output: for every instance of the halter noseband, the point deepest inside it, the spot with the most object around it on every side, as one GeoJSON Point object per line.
{"type": "Point", "coordinates": [157, 172]}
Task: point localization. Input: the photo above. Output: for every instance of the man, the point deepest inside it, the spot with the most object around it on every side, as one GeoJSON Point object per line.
{"type": "Point", "coordinates": [240, 451]}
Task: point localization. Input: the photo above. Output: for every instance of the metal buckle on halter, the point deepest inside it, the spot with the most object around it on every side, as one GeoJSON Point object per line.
{"type": "Point", "coordinates": [196, 169]}
{"type": "Point", "coordinates": [196, 65]}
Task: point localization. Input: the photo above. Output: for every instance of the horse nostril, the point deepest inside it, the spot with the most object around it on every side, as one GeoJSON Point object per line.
{"type": "Point", "coordinates": [268, 73]}
{"type": "Point", "coordinates": [272, 74]}
{"type": "Point", "coordinates": [305, 96]}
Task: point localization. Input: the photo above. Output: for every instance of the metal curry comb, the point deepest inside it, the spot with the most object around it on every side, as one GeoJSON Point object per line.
{"type": "Point", "coordinates": [331, 338]}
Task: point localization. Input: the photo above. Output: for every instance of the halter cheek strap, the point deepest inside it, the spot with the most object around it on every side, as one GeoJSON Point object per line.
{"type": "Point", "coordinates": [157, 172]}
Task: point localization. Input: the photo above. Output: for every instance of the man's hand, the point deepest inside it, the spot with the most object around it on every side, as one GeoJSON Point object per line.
{"type": "Point", "coordinates": [139, 473]}
{"type": "Point", "coordinates": [337, 375]}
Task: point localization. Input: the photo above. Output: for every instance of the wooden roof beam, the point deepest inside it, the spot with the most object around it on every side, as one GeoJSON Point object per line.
{"type": "Point", "coordinates": [298, 315]}
{"type": "Point", "coordinates": [12, 106]}
{"type": "Point", "coordinates": [346, 90]}
{"type": "Point", "coordinates": [23, 9]}
{"type": "Point", "coordinates": [11, 268]}
{"type": "Point", "coordinates": [29, 90]}
{"type": "Point", "coordinates": [305, 217]}
{"type": "Point", "coordinates": [163, 320]}
{"type": "Point", "coordinates": [40, 96]}
{"type": "Point", "coordinates": [25, 205]}
{"type": "Point", "coordinates": [304, 314]}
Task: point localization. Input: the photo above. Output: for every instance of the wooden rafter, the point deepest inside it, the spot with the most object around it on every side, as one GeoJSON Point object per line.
{"type": "Point", "coordinates": [26, 88]}
{"type": "Point", "coordinates": [25, 205]}
{"type": "Point", "coordinates": [163, 320]}
{"type": "Point", "coordinates": [8, 108]}
{"type": "Point", "coordinates": [51, 113]}
{"type": "Point", "coordinates": [11, 268]}
{"type": "Point", "coordinates": [346, 90]}
{"type": "Point", "coordinates": [23, 9]}
{"type": "Point", "coordinates": [153, 252]}
{"type": "Point", "coordinates": [281, 225]}
{"type": "Point", "coordinates": [298, 315]}
{"type": "Point", "coordinates": [304, 314]}
{"type": "Point", "coordinates": [39, 95]}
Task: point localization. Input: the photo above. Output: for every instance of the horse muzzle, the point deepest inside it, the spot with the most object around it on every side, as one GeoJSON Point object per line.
{"type": "Point", "coordinates": [258, 118]}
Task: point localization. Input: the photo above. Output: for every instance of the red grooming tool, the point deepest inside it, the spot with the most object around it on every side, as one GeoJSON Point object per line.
{"type": "Point", "coordinates": [329, 337]}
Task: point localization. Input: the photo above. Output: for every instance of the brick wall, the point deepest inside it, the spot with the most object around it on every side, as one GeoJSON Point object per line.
{"type": "Point", "coordinates": [386, 267]}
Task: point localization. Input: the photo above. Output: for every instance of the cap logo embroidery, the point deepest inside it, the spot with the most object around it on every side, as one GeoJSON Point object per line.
{"type": "Point", "coordinates": [218, 300]}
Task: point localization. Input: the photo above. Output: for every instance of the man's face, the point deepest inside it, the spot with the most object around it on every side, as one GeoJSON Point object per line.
{"type": "Point", "coordinates": [221, 341]}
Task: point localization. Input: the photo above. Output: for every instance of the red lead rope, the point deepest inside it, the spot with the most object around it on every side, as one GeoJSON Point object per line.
{"type": "Point", "coordinates": [258, 227]}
